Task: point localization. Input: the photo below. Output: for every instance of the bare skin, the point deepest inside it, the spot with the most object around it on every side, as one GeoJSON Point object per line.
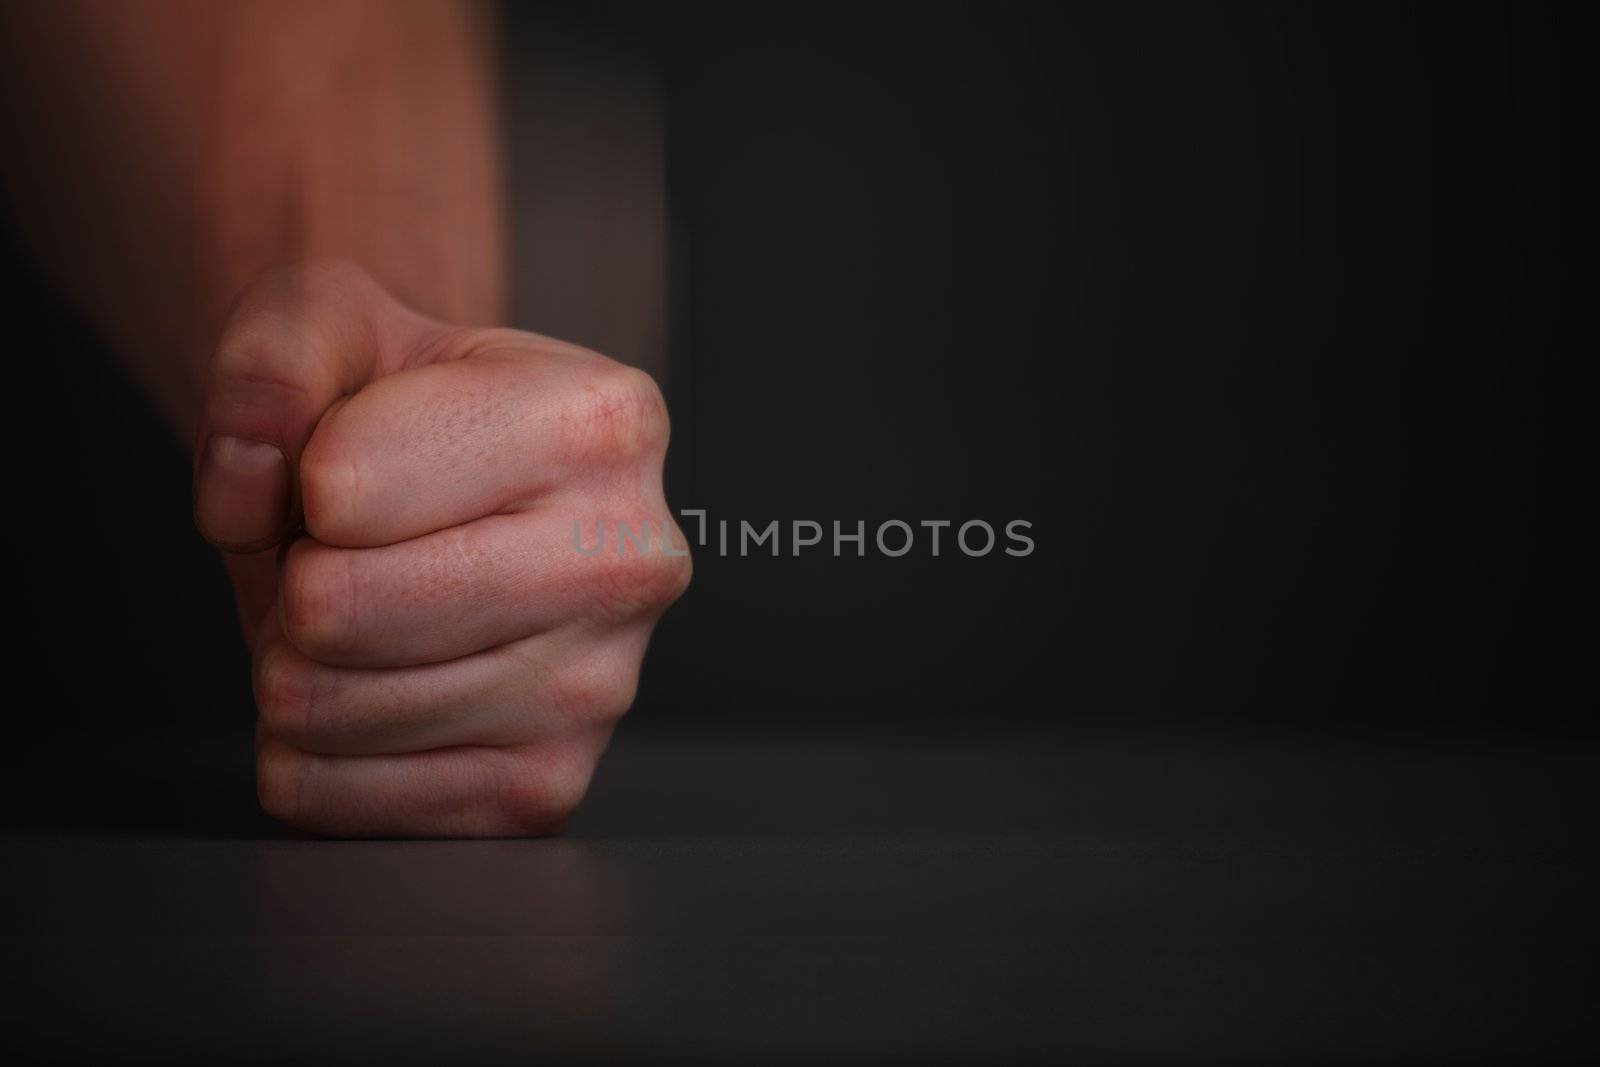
{"type": "Point", "coordinates": [287, 218]}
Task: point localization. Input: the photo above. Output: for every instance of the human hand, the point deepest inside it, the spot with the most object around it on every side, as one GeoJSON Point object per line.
{"type": "Point", "coordinates": [431, 654]}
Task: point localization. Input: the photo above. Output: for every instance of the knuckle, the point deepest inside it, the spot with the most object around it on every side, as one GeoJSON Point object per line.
{"type": "Point", "coordinates": [629, 582]}
{"type": "Point", "coordinates": [316, 599]}
{"type": "Point", "coordinates": [616, 414]}
{"type": "Point", "coordinates": [284, 691]}
{"type": "Point", "coordinates": [585, 692]}
{"type": "Point", "coordinates": [538, 793]}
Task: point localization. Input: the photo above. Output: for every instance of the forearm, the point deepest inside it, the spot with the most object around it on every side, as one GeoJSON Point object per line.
{"type": "Point", "coordinates": [218, 140]}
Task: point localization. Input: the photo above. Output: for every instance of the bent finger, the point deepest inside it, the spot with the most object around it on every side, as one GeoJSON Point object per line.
{"type": "Point", "coordinates": [532, 690]}
{"type": "Point", "coordinates": [474, 587]}
{"type": "Point", "coordinates": [451, 792]}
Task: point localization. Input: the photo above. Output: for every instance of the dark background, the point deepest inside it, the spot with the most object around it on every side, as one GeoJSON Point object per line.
{"type": "Point", "coordinates": [1259, 314]}
{"type": "Point", "coordinates": [1262, 315]}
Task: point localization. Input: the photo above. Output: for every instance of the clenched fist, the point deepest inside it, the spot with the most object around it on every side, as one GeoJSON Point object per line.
{"type": "Point", "coordinates": [395, 500]}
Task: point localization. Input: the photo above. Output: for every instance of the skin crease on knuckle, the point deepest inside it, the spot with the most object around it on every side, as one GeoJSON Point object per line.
{"type": "Point", "coordinates": [580, 691]}
{"type": "Point", "coordinates": [615, 416]}
{"type": "Point", "coordinates": [619, 587]}
{"type": "Point", "coordinates": [642, 573]}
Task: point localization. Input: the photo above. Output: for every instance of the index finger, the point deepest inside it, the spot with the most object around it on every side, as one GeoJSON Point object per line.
{"type": "Point", "coordinates": [437, 446]}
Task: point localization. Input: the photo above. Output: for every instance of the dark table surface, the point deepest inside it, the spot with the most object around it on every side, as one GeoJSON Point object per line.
{"type": "Point", "coordinates": [790, 895]}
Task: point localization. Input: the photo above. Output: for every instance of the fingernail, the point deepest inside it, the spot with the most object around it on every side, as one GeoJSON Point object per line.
{"type": "Point", "coordinates": [241, 496]}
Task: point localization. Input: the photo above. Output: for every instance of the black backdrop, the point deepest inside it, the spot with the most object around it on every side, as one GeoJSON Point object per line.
{"type": "Point", "coordinates": [1263, 317]}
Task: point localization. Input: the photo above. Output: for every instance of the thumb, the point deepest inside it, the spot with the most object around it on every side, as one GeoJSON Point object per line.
{"type": "Point", "coordinates": [298, 340]}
